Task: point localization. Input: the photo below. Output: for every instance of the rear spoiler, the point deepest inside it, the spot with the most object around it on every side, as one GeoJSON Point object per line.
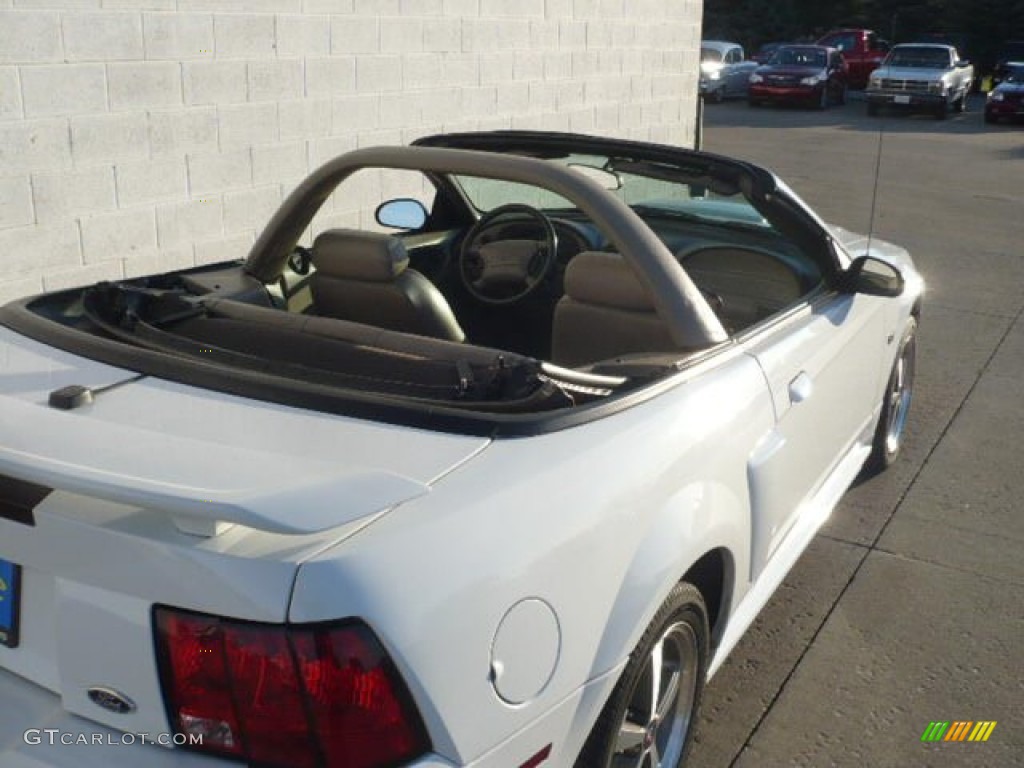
{"type": "Point", "coordinates": [204, 486]}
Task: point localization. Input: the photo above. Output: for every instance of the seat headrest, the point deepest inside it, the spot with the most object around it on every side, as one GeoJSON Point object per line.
{"type": "Point", "coordinates": [605, 279]}
{"type": "Point", "coordinates": [356, 255]}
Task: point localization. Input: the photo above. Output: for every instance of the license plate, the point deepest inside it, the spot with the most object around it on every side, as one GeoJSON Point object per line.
{"type": "Point", "coordinates": [902, 100]}
{"type": "Point", "coordinates": [10, 602]}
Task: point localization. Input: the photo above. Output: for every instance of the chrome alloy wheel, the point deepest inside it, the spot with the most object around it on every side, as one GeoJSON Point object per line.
{"type": "Point", "coordinates": [654, 730]}
{"type": "Point", "coordinates": [901, 389]}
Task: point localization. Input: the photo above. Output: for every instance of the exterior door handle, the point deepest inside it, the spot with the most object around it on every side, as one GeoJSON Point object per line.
{"type": "Point", "coordinates": [800, 388]}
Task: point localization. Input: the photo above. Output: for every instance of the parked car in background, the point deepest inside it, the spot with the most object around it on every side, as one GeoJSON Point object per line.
{"type": "Point", "coordinates": [724, 70]}
{"type": "Point", "coordinates": [765, 52]}
{"type": "Point", "coordinates": [501, 486]}
{"type": "Point", "coordinates": [862, 49]}
{"type": "Point", "coordinates": [1007, 99]}
{"type": "Point", "coordinates": [921, 76]}
{"type": "Point", "coordinates": [1011, 52]}
{"type": "Point", "coordinates": [811, 75]}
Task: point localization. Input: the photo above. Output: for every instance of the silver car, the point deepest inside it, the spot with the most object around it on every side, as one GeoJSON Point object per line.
{"type": "Point", "coordinates": [724, 70]}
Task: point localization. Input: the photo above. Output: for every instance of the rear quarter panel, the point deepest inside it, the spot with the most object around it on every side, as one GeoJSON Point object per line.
{"type": "Point", "coordinates": [599, 521]}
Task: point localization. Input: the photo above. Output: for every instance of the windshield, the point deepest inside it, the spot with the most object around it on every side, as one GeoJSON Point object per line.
{"type": "Point", "coordinates": [650, 188]}
{"type": "Point", "coordinates": [925, 57]}
{"type": "Point", "coordinates": [799, 57]}
{"type": "Point", "coordinates": [710, 54]}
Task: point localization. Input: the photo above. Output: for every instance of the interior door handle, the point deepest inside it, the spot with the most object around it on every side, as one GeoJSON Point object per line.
{"type": "Point", "coordinates": [800, 388]}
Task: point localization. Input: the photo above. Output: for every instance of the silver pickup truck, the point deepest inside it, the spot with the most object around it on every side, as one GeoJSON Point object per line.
{"type": "Point", "coordinates": [921, 76]}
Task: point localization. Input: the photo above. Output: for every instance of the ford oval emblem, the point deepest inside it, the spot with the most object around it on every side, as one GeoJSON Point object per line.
{"type": "Point", "coordinates": [111, 700]}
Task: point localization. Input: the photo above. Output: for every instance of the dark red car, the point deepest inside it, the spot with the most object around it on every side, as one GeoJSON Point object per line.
{"type": "Point", "coordinates": [812, 75]}
{"type": "Point", "coordinates": [1007, 100]}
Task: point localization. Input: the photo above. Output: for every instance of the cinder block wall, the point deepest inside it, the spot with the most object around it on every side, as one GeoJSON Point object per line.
{"type": "Point", "coordinates": [144, 135]}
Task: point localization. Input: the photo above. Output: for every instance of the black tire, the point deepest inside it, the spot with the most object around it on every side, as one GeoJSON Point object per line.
{"type": "Point", "coordinates": [754, 102]}
{"type": "Point", "coordinates": [899, 391]}
{"type": "Point", "coordinates": [942, 111]}
{"type": "Point", "coordinates": [625, 727]}
{"type": "Point", "coordinates": [990, 118]}
{"type": "Point", "coordinates": [842, 96]}
{"type": "Point", "coordinates": [872, 109]}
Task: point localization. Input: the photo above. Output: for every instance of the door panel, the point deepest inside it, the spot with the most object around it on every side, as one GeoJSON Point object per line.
{"type": "Point", "coordinates": [823, 366]}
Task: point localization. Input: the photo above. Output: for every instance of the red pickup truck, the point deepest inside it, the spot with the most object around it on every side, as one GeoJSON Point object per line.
{"type": "Point", "coordinates": [862, 49]}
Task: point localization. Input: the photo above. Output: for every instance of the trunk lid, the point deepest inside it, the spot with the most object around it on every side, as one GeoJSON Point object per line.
{"type": "Point", "coordinates": [161, 493]}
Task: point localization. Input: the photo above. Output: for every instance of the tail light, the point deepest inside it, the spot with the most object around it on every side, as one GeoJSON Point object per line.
{"type": "Point", "coordinates": [325, 696]}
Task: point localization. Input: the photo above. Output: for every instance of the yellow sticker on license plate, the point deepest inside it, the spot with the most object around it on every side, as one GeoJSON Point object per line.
{"type": "Point", "coordinates": [10, 602]}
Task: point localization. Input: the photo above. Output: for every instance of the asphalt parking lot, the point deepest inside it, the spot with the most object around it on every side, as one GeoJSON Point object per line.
{"type": "Point", "coordinates": [909, 607]}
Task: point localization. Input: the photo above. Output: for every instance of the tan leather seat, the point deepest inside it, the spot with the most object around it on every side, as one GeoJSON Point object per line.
{"type": "Point", "coordinates": [605, 313]}
{"type": "Point", "coordinates": [364, 277]}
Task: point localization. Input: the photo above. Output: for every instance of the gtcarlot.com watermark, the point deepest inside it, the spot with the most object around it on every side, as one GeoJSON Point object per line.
{"type": "Point", "coordinates": [54, 737]}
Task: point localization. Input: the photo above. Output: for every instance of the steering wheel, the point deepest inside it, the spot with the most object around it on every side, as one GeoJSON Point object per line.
{"type": "Point", "coordinates": [506, 271]}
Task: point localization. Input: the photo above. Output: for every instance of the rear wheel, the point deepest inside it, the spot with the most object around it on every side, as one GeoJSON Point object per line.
{"type": "Point", "coordinates": [942, 111]}
{"type": "Point", "coordinates": [872, 109]}
{"type": "Point", "coordinates": [896, 403]}
{"type": "Point", "coordinates": [990, 118]}
{"type": "Point", "coordinates": [648, 722]}
{"type": "Point", "coordinates": [754, 102]}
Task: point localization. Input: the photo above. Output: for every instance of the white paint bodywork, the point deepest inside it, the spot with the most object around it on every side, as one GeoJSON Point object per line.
{"type": "Point", "coordinates": [745, 453]}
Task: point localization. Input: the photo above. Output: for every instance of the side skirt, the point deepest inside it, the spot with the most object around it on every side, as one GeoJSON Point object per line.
{"type": "Point", "coordinates": [814, 514]}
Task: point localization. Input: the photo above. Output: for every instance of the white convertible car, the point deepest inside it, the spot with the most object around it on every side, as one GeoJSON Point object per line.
{"type": "Point", "coordinates": [493, 474]}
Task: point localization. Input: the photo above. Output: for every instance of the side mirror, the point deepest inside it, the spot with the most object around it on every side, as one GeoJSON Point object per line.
{"type": "Point", "coordinates": [872, 277]}
{"type": "Point", "coordinates": [963, 64]}
{"type": "Point", "coordinates": [403, 213]}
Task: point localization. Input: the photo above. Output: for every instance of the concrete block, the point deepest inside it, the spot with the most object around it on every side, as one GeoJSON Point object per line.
{"type": "Point", "coordinates": [15, 201]}
{"type": "Point", "coordinates": [178, 36]}
{"type": "Point", "coordinates": [543, 34]}
{"type": "Point", "coordinates": [328, 6]}
{"type": "Point", "coordinates": [181, 131]}
{"type": "Point", "coordinates": [279, 163]}
{"type": "Point", "coordinates": [401, 35]}
{"type": "Point", "coordinates": [453, 8]}
{"type": "Point", "coordinates": [144, 84]}
{"type": "Point", "coordinates": [159, 262]}
{"type": "Point", "coordinates": [30, 37]}
{"type": "Point", "coordinates": [559, 9]}
{"type": "Point", "coordinates": [183, 223]}
{"type": "Point", "coordinates": [497, 68]}
{"type": "Point", "coordinates": [329, 76]}
{"type": "Point", "coordinates": [10, 94]}
{"type": "Point", "coordinates": [276, 80]}
{"type": "Point", "coordinates": [141, 5]}
{"type": "Point", "coordinates": [572, 34]}
{"type": "Point", "coordinates": [303, 36]}
{"type": "Point", "coordinates": [102, 36]}
{"type": "Point", "coordinates": [355, 34]}
{"type": "Point", "coordinates": [20, 287]}
{"type": "Point", "coordinates": [375, 8]}
{"type": "Point", "coordinates": [62, 196]}
{"type": "Point", "coordinates": [481, 101]}
{"type": "Point", "coordinates": [356, 113]}
{"type": "Point", "coordinates": [150, 181]}
{"type": "Point", "coordinates": [118, 235]}
{"type": "Point", "coordinates": [322, 150]}
{"type": "Point", "coordinates": [244, 36]}
{"type": "Point", "coordinates": [243, 125]}
{"type": "Point", "coordinates": [250, 209]}
{"type": "Point", "coordinates": [63, 89]}
{"type": "Point", "coordinates": [215, 82]}
{"type": "Point", "coordinates": [109, 138]}
{"type": "Point", "coordinates": [304, 119]}
{"type": "Point", "coordinates": [461, 70]}
{"type": "Point", "coordinates": [512, 98]}
{"type": "Point", "coordinates": [36, 249]}
{"type": "Point", "coordinates": [420, 7]}
{"type": "Point", "coordinates": [225, 249]}
{"type": "Point", "coordinates": [210, 174]}
{"type": "Point", "coordinates": [501, 8]}
{"type": "Point", "coordinates": [528, 65]}
{"type": "Point", "coordinates": [59, 280]}
{"type": "Point", "coordinates": [442, 35]}
{"type": "Point", "coordinates": [422, 70]}
{"type": "Point", "coordinates": [378, 73]}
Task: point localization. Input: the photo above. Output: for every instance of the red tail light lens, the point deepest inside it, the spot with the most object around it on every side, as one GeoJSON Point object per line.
{"type": "Point", "coordinates": [288, 696]}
